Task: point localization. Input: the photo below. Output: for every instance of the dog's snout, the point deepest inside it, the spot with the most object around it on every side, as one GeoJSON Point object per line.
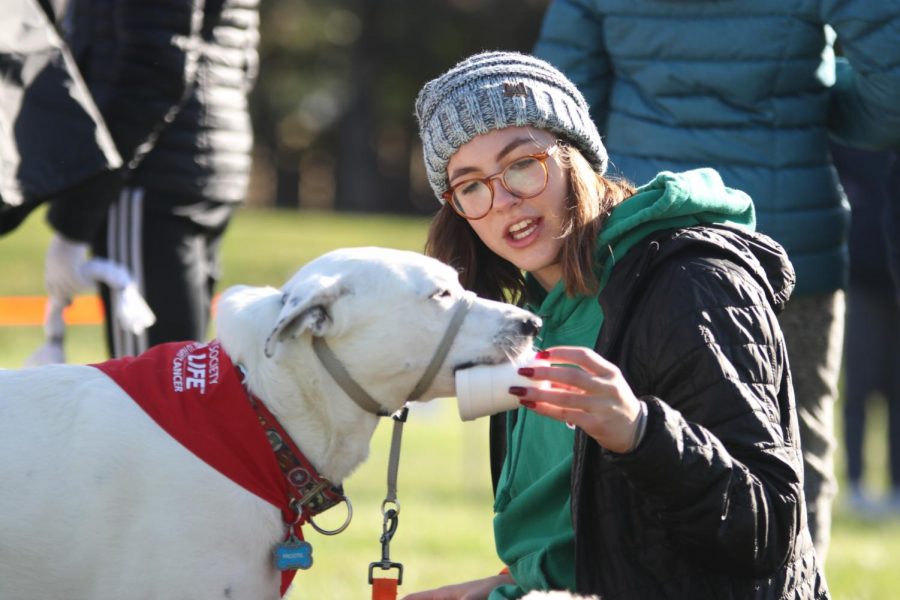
{"type": "Point", "coordinates": [530, 326]}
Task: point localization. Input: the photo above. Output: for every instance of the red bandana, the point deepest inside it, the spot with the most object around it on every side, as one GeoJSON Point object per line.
{"type": "Point", "coordinates": [194, 392]}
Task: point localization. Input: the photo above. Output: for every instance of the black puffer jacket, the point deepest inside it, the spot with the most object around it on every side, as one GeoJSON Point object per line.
{"type": "Point", "coordinates": [710, 505]}
{"type": "Point", "coordinates": [171, 81]}
{"type": "Point", "coordinates": [44, 101]}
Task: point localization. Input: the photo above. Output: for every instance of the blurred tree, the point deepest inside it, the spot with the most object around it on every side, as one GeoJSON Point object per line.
{"type": "Point", "coordinates": [333, 108]}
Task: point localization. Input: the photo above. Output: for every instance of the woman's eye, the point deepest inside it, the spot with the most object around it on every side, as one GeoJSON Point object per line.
{"type": "Point", "coordinates": [523, 164]}
{"type": "Point", "coordinates": [468, 188]}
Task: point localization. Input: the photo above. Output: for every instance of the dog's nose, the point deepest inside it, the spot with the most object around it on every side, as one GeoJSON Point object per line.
{"type": "Point", "coordinates": [530, 326]}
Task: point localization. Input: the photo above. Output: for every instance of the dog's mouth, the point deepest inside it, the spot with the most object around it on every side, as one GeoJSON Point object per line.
{"type": "Point", "coordinates": [475, 363]}
{"type": "Point", "coordinates": [508, 347]}
{"type": "Point", "coordinates": [484, 361]}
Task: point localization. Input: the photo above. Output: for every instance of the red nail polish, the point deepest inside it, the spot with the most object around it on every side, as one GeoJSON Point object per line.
{"type": "Point", "coordinates": [517, 390]}
{"type": "Point", "coordinates": [543, 354]}
{"type": "Point", "coordinates": [526, 371]}
{"type": "Point", "coordinates": [527, 403]}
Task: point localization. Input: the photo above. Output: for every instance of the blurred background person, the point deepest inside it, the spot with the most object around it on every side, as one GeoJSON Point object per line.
{"type": "Point", "coordinates": [43, 100]}
{"type": "Point", "coordinates": [753, 91]}
{"type": "Point", "coordinates": [872, 342]}
{"type": "Point", "coordinates": [171, 81]}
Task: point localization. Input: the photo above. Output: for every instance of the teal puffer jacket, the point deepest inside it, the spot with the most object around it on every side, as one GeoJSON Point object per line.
{"type": "Point", "coordinates": [751, 89]}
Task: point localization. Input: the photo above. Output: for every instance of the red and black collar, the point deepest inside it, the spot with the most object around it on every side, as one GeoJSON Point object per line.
{"type": "Point", "coordinates": [311, 494]}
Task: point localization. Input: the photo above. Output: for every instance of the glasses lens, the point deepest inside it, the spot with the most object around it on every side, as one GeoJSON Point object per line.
{"type": "Point", "coordinates": [526, 177]}
{"type": "Point", "coordinates": [472, 199]}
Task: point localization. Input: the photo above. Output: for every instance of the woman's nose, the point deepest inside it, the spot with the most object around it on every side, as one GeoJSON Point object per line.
{"type": "Point", "coordinates": [503, 198]}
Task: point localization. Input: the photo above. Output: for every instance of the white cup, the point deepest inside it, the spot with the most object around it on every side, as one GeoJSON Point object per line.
{"type": "Point", "coordinates": [484, 390]}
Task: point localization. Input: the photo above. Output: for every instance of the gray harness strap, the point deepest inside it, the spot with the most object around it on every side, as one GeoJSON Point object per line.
{"type": "Point", "coordinates": [365, 401]}
{"type": "Point", "coordinates": [437, 359]}
{"type": "Point", "coordinates": [394, 460]}
{"type": "Point", "coordinates": [340, 375]}
{"type": "Point", "coordinates": [362, 398]}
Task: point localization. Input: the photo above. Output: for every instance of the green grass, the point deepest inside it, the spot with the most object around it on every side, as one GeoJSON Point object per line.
{"type": "Point", "coordinates": [444, 532]}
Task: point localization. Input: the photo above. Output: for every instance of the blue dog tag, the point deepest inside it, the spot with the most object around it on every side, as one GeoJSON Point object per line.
{"type": "Point", "coordinates": [293, 554]}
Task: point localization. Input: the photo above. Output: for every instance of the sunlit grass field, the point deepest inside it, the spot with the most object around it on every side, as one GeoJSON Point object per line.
{"type": "Point", "coordinates": [444, 532]}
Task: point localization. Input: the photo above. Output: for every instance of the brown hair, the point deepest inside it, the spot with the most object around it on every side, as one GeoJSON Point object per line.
{"type": "Point", "coordinates": [591, 199]}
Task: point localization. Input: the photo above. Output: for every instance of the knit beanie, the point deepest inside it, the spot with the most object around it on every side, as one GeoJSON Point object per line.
{"type": "Point", "coordinates": [495, 90]}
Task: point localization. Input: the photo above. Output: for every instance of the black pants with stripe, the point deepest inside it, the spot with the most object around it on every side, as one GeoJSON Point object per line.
{"type": "Point", "coordinates": [174, 260]}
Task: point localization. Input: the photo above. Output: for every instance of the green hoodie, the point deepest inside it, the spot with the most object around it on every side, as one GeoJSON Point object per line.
{"type": "Point", "coordinates": [533, 521]}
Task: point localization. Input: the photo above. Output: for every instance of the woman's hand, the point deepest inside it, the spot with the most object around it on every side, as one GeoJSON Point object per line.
{"type": "Point", "coordinates": [478, 589]}
{"type": "Point", "coordinates": [595, 397]}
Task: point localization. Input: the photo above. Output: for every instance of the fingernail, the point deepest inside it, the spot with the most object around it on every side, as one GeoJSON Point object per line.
{"type": "Point", "coordinates": [543, 354]}
{"type": "Point", "coordinates": [517, 390]}
{"type": "Point", "coordinates": [527, 403]}
{"type": "Point", "coordinates": [526, 371]}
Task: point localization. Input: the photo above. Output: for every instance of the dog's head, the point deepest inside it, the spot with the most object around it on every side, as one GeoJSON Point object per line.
{"type": "Point", "coordinates": [383, 313]}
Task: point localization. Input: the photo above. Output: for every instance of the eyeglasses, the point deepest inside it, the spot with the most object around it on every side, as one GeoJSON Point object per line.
{"type": "Point", "coordinates": [524, 178]}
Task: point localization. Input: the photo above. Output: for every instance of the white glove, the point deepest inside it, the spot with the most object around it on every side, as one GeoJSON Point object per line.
{"type": "Point", "coordinates": [129, 307]}
{"type": "Point", "coordinates": [131, 310]}
{"type": "Point", "coordinates": [64, 268]}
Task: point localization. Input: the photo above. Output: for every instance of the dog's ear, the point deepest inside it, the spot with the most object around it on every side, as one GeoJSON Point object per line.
{"type": "Point", "coordinates": [305, 305]}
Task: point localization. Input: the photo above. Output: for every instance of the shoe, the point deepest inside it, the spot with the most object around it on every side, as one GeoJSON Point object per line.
{"type": "Point", "coordinates": [865, 506]}
{"type": "Point", "coordinates": [893, 501]}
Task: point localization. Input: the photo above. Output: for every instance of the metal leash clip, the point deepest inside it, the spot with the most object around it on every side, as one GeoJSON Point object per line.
{"type": "Point", "coordinates": [391, 518]}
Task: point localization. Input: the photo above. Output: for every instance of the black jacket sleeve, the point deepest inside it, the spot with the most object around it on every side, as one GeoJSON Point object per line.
{"type": "Point", "coordinates": [153, 71]}
{"type": "Point", "coordinates": [56, 138]}
{"type": "Point", "coordinates": [719, 465]}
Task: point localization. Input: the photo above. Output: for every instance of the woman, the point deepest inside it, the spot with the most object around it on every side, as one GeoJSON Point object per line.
{"type": "Point", "coordinates": [666, 465]}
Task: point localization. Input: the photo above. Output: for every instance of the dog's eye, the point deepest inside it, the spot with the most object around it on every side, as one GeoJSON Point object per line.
{"type": "Point", "coordinates": [442, 294]}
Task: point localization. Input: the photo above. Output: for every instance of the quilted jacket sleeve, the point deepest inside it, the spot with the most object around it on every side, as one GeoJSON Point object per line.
{"type": "Point", "coordinates": [571, 39]}
{"type": "Point", "coordinates": [153, 71]}
{"type": "Point", "coordinates": [719, 466]}
{"type": "Point", "coordinates": [864, 111]}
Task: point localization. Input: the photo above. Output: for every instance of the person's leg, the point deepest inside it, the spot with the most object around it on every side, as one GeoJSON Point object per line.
{"type": "Point", "coordinates": [858, 371]}
{"type": "Point", "coordinates": [212, 239]}
{"type": "Point", "coordinates": [867, 370]}
{"type": "Point", "coordinates": [119, 241]}
{"type": "Point", "coordinates": [814, 331]}
{"type": "Point", "coordinates": [166, 255]}
{"type": "Point", "coordinates": [892, 395]}
{"type": "Point", "coordinates": [174, 278]}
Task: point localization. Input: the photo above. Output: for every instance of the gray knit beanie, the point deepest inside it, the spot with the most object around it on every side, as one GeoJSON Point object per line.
{"type": "Point", "coordinates": [495, 90]}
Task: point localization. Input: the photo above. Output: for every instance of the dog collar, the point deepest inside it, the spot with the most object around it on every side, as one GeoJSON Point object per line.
{"type": "Point", "coordinates": [360, 396]}
{"type": "Point", "coordinates": [311, 494]}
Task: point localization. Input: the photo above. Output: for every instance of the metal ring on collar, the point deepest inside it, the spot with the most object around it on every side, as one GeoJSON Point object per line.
{"type": "Point", "coordinates": [339, 529]}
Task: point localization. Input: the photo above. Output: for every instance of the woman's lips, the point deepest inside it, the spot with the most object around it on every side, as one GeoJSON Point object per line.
{"type": "Point", "coordinates": [523, 232]}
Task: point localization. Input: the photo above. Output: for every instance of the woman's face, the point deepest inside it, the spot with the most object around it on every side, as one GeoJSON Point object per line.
{"type": "Point", "coordinates": [524, 232]}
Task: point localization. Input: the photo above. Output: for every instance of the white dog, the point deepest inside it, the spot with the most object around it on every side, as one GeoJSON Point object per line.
{"type": "Point", "coordinates": [99, 501]}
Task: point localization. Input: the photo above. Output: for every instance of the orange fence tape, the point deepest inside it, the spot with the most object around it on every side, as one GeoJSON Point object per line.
{"type": "Point", "coordinates": [29, 310]}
